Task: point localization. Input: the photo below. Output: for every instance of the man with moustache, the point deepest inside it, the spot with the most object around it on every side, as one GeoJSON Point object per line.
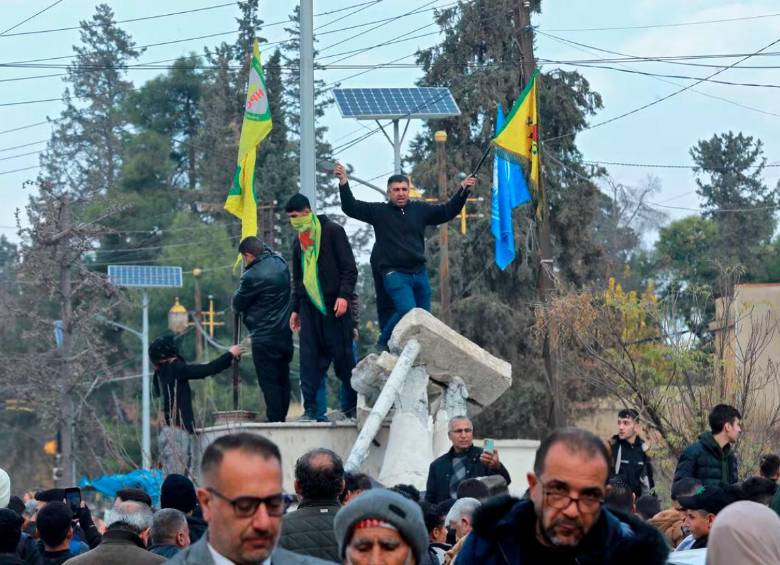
{"type": "Point", "coordinates": [563, 521]}
{"type": "Point", "coordinates": [243, 503]}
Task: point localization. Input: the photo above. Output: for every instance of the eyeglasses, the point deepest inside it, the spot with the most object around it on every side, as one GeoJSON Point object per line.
{"type": "Point", "coordinates": [462, 431]}
{"type": "Point", "coordinates": [559, 498]}
{"type": "Point", "coordinates": [246, 506]}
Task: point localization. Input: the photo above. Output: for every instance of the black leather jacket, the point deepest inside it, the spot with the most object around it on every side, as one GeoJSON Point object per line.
{"type": "Point", "coordinates": [263, 300]}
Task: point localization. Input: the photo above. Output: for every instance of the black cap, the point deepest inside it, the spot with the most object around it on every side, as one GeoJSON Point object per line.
{"type": "Point", "coordinates": [709, 499]}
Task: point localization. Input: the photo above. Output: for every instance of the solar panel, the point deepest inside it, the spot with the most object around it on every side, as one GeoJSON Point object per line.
{"type": "Point", "coordinates": [144, 276]}
{"type": "Point", "coordinates": [395, 103]}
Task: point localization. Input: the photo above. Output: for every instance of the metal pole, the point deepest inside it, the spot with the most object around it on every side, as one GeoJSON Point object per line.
{"type": "Point", "coordinates": [308, 141]}
{"type": "Point", "coordinates": [236, 368]}
{"type": "Point", "coordinates": [397, 147]}
{"type": "Point", "coordinates": [444, 257]}
{"type": "Point", "coordinates": [146, 436]}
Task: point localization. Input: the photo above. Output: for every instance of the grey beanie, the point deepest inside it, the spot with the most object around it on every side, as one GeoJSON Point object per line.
{"type": "Point", "coordinates": [381, 504]}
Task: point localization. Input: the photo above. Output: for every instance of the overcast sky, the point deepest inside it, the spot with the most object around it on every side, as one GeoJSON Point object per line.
{"type": "Point", "coordinates": [660, 134]}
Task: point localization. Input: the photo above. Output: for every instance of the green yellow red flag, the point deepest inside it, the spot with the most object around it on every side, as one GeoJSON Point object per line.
{"type": "Point", "coordinates": [241, 199]}
{"type": "Point", "coordinates": [518, 139]}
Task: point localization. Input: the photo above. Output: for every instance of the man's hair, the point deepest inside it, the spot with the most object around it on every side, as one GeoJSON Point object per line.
{"type": "Point", "coordinates": [297, 203]}
{"type": "Point", "coordinates": [619, 496]}
{"type": "Point", "coordinates": [129, 515]}
{"type": "Point", "coordinates": [166, 524]}
{"type": "Point", "coordinates": [244, 442]}
{"type": "Point", "coordinates": [357, 481]}
{"type": "Point", "coordinates": [323, 480]}
{"type": "Point", "coordinates": [759, 489]}
{"type": "Point", "coordinates": [769, 466]}
{"type": "Point", "coordinates": [647, 506]}
{"type": "Point", "coordinates": [10, 530]}
{"type": "Point", "coordinates": [53, 522]}
{"type": "Point", "coordinates": [16, 504]}
{"type": "Point", "coordinates": [685, 487]}
{"type": "Point", "coordinates": [576, 440]}
{"type": "Point", "coordinates": [473, 488]}
{"type": "Point", "coordinates": [251, 244]}
{"type": "Point", "coordinates": [432, 516]}
{"type": "Point", "coordinates": [134, 495]}
{"type": "Point", "coordinates": [629, 413]}
{"type": "Point", "coordinates": [721, 415]}
{"type": "Point", "coordinates": [457, 419]}
{"type": "Point", "coordinates": [409, 491]}
{"type": "Point", "coordinates": [397, 178]}
{"type": "Point", "coordinates": [463, 507]}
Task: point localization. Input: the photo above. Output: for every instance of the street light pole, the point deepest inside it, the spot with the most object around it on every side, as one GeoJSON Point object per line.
{"type": "Point", "coordinates": [146, 433]}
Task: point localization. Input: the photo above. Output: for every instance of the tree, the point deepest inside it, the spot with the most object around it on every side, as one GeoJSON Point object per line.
{"type": "Point", "coordinates": [735, 198]}
{"type": "Point", "coordinates": [85, 151]}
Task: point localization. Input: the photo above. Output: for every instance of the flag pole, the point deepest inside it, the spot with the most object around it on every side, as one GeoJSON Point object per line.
{"type": "Point", "coordinates": [236, 367]}
{"type": "Point", "coordinates": [482, 160]}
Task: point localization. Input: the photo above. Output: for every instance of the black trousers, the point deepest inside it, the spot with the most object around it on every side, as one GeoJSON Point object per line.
{"type": "Point", "coordinates": [324, 339]}
{"type": "Point", "coordinates": [273, 376]}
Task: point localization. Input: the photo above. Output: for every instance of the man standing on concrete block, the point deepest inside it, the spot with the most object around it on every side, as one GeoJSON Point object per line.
{"type": "Point", "coordinates": [463, 461]}
{"type": "Point", "coordinates": [324, 278]}
{"type": "Point", "coordinates": [263, 299]}
{"type": "Point", "coordinates": [399, 227]}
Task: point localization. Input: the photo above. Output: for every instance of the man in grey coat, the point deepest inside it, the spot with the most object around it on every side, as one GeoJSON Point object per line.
{"type": "Point", "coordinates": [241, 498]}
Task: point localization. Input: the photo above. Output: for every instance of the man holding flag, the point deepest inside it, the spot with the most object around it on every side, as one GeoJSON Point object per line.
{"type": "Point", "coordinates": [324, 278]}
{"type": "Point", "coordinates": [263, 297]}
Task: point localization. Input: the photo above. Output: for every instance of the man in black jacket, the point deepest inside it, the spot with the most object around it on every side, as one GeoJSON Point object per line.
{"type": "Point", "coordinates": [711, 459]}
{"type": "Point", "coordinates": [399, 228]}
{"type": "Point", "coordinates": [563, 520]}
{"type": "Point", "coordinates": [463, 461]}
{"type": "Point", "coordinates": [172, 376]}
{"type": "Point", "coordinates": [319, 480]}
{"type": "Point", "coordinates": [324, 278]}
{"type": "Point", "coordinates": [630, 460]}
{"type": "Point", "coordinates": [263, 300]}
{"type": "Point", "coordinates": [10, 536]}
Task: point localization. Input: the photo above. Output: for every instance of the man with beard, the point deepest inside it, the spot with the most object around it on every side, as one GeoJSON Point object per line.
{"type": "Point", "coordinates": [243, 503]}
{"type": "Point", "coordinates": [563, 521]}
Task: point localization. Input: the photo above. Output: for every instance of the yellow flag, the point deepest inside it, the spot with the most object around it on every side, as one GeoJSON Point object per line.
{"type": "Point", "coordinates": [519, 138]}
{"type": "Point", "coordinates": [241, 199]}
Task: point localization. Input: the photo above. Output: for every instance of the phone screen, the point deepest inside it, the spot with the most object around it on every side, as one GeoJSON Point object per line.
{"type": "Point", "coordinates": [489, 448]}
{"type": "Point", "coordinates": [73, 497]}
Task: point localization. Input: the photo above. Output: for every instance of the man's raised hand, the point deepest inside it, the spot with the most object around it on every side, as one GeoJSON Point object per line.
{"type": "Point", "coordinates": [469, 182]}
{"type": "Point", "coordinates": [341, 173]}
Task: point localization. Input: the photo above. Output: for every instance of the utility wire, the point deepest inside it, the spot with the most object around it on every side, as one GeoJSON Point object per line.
{"type": "Point", "coordinates": [655, 26]}
{"type": "Point", "coordinates": [36, 14]}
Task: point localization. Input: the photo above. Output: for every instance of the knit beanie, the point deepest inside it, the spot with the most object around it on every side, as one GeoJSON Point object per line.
{"type": "Point", "coordinates": [178, 492]}
{"type": "Point", "coordinates": [5, 489]}
{"type": "Point", "coordinates": [387, 506]}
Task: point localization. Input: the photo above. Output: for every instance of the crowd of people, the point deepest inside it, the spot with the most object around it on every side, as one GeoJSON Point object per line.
{"type": "Point", "coordinates": [586, 504]}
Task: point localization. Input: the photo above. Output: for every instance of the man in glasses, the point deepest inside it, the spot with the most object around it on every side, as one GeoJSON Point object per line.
{"type": "Point", "coordinates": [241, 498]}
{"type": "Point", "coordinates": [463, 461]}
{"type": "Point", "coordinates": [563, 521]}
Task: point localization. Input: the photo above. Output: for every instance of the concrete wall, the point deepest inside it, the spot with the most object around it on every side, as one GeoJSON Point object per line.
{"type": "Point", "coordinates": [295, 438]}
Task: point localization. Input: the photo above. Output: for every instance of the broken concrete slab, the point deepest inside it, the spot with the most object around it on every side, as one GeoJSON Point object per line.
{"type": "Point", "coordinates": [447, 354]}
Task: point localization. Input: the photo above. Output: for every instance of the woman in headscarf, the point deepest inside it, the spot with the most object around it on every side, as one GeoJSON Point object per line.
{"type": "Point", "coordinates": [744, 533]}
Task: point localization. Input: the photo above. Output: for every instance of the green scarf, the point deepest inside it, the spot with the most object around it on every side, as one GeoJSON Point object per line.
{"type": "Point", "coordinates": [309, 230]}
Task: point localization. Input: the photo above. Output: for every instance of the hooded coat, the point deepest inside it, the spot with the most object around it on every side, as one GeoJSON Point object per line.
{"type": "Point", "coordinates": [746, 533]}
{"type": "Point", "coordinates": [706, 461]}
{"type": "Point", "coordinates": [614, 539]}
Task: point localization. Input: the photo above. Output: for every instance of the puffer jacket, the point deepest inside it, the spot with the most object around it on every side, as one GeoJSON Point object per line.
{"type": "Point", "coordinates": [263, 299]}
{"type": "Point", "coordinates": [502, 523]}
{"type": "Point", "coordinates": [706, 461]}
{"type": "Point", "coordinates": [309, 530]}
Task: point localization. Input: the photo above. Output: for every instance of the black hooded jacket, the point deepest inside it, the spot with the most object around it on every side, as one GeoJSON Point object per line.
{"type": "Point", "coordinates": [706, 461]}
{"type": "Point", "coordinates": [505, 529]}
{"type": "Point", "coordinates": [635, 466]}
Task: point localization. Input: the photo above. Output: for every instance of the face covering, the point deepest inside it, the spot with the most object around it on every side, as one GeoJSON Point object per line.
{"type": "Point", "coordinates": [309, 232]}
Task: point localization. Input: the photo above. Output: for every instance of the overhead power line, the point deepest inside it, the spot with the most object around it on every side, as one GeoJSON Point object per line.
{"type": "Point", "coordinates": [655, 26]}
{"type": "Point", "coordinates": [36, 14]}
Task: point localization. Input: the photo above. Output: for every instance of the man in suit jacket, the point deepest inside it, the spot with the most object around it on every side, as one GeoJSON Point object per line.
{"type": "Point", "coordinates": [242, 503]}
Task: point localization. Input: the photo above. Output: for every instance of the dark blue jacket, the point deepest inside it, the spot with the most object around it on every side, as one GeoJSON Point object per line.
{"type": "Point", "coordinates": [438, 486]}
{"type": "Point", "coordinates": [613, 540]}
{"type": "Point", "coordinates": [706, 461]}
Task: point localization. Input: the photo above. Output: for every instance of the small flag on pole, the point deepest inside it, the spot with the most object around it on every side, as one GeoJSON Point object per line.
{"type": "Point", "coordinates": [241, 199]}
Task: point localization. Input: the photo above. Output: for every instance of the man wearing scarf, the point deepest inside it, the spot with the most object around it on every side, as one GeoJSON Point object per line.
{"type": "Point", "coordinates": [324, 278]}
